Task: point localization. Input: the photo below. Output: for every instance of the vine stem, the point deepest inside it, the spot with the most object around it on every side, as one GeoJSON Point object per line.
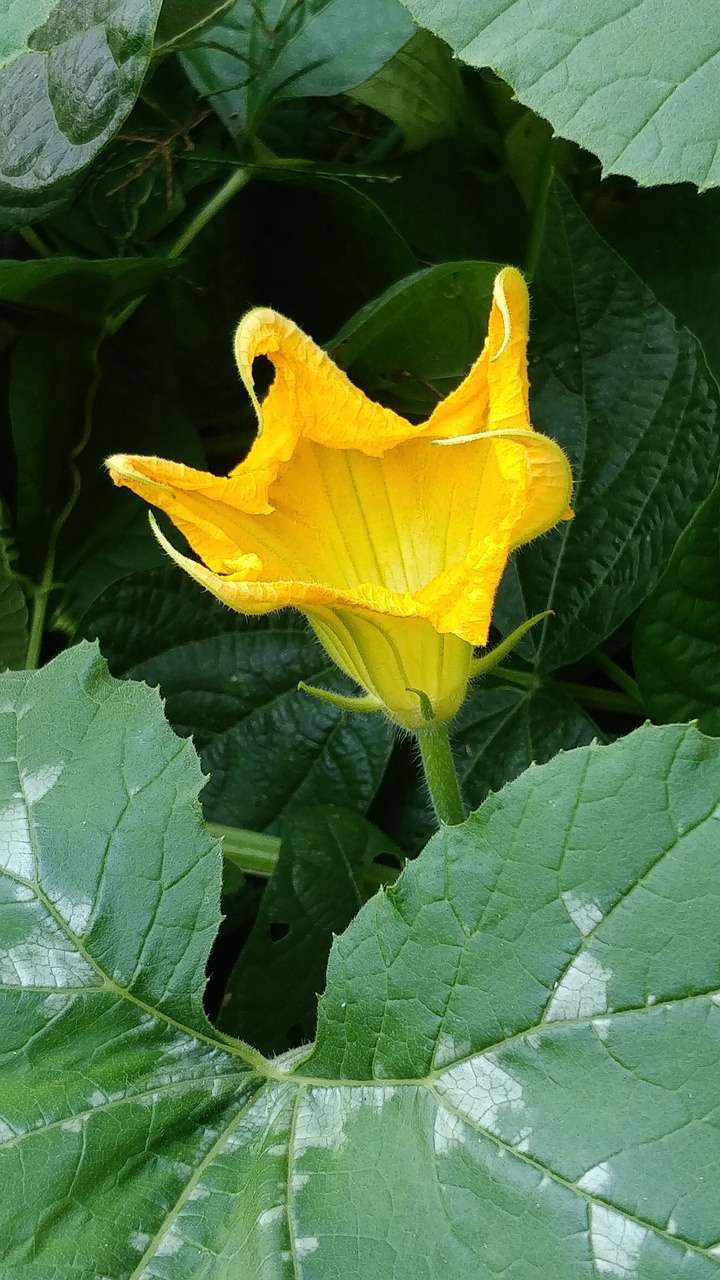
{"type": "Point", "coordinates": [257, 855]}
{"type": "Point", "coordinates": [440, 775]}
{"type": "Point", "coordinates": [42, 590]}
{"type": "Point", "coordinates": [538, 208]}
{"type": "Point", "coordinates": [587, 694]}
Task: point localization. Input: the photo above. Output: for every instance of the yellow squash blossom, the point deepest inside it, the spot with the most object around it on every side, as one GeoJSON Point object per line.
{"type": "Point", "coordinates": [391, 537]}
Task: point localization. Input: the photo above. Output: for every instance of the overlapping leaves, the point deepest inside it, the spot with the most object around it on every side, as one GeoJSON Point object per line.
{"type": "Point", "coordinates": [516, 1062]}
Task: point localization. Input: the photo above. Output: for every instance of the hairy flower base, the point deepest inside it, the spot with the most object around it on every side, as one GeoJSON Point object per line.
{"type": "Point", "coordinates": [397, 660]}
{"type": "Point", "coordinates": [390, 536]}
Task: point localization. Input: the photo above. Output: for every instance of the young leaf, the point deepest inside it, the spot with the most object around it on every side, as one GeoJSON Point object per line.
{"type": "Point", "coordinates": [676, 646]}
{"type": "Point", "coordinates": [629, 397]}
{"type": "Point", "coordinates": [70, 75]}
{"type": "Point", "coordinates": [630, 82]}
{"type": "Point", "coordinates": [317, 888]}
{"type": "Point", "coordinates": [232, 682]}
{"type": "Point", "coordinates": [253, 58]}
{"type": "Point", "coordinates": [516, 1063]}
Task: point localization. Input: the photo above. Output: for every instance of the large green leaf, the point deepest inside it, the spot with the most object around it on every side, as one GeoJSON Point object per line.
{"type": "Point", "coordinates": [628, 396]}
{"type": "Point", "coordinates": [232, 682]}
{"type": "Point", "coordinates": [676, 646]}
{"type": "Point", "coordinates": [316, 889]}
{"type": "Point", "coordinates": [421, 90]}
{"type": "Point", "coordinates": [631, 80]}
{"type": "Point", "coordinates": [262, 53]}
{"type": "Point", "coordinates": [516, 1069]}
{"type": "Point", "coordinates": [69, 75]}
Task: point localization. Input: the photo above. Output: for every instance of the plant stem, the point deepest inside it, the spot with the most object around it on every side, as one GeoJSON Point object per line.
{"type": "Point", "coordinates": [440, 775]}
{"type": "Point", "coordinates": [257, 855]}
{"type": "Point", "coordinates": [237, 180]}
{"type": "Point", "coordinates": [32, 239]}
{"type": "Point", "coordinates": [538, 209]}
{"type": "Point", "coordinates": [587, 694]}
{"type": "Point", "coordinates": [617, 675]}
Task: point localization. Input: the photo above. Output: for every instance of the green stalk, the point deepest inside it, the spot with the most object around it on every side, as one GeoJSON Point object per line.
{"type": "Point", "coordinates": [440, 775]}
{"type": "Point", "coordinates": [587, 694]}
{"type": "Point", "coordinates": [617, 675]}
{"type": "Point", "coordinates": [538, 208]}
{"type": "Point", "coordinates": [257, 855]}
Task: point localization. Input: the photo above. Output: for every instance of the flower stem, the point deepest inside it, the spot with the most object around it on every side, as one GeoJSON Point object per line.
{"type": "Point", "coordinates": [440, 775]}
{"type": "Point", "coordinates": [617, 675]}
{"type": "Point", "coordinates": [257, 855]}
{"type": "Point", "coordinates": [538, 207]}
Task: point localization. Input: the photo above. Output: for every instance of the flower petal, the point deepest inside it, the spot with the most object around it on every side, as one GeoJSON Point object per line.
{"type": "Point", "coordinates": [494, 395]}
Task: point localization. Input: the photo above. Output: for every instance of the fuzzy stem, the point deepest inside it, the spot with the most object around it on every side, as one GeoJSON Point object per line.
{"type": "Point", "coordinates": [440, 775]}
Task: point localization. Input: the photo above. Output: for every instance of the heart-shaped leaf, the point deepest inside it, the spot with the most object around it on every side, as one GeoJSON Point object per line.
{"type": "Point", "coordinates": [516, 1066]}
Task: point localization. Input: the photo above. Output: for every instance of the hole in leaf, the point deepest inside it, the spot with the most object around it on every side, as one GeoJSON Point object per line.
{"type": "Point", "coordinates": [278, 929]}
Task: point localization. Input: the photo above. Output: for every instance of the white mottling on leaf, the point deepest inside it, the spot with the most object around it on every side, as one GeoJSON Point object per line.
{"type": "Point", "coordinates": [596, 1179]}
{"type": "Point", "coordinates": [582, 991]}
{"type": "Point", "coordinates": [324, 1112]}
{"type": "Point", "coordinates": [487, 1094]}
{"type": "Point", "coordinates": [448, 1049]}
{"type": "Point", "coordinates": [73, 1125]}
{"type": "Point", "coordinates": [268, 1216]}
{"type": "Point", "coordinates": [36, 962]}
{"type": "Point", "coordinates": [449, 1131]}
{"type": "Point", "coordinates": [170, 1244]}
{"type": "Point", "coordinates": [75, 914]}
{"type": "Point", "coordinates": [16, 851]}
{"type": "Point", "coordinates": [305, 1245]}
{"type": "Point", "coordinates": [616, 1242]}
{"type": "Point", "coordinates": [300, 1180]}
{"type": "Point", "coordinates": [139, 1241]}
{"type": "Point", "coordinates": [584, 913]}
{"type": "Point", "coordinates": [37, 782]}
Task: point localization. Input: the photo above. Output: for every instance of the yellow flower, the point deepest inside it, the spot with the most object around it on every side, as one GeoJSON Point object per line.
{"type": "Point", "coordinates": [391, 537]}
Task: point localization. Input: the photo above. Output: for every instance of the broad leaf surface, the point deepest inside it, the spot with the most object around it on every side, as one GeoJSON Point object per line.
{"type": "Point", "coordinates": [414, 344]}
{"type": "Point", "coordinates": [630, 80]}
{"type": "Point", "coordinates": [628, 396]}
{"type": "Point", "coordinates": [516, 1068]}
{"type": "Point", "coordinates": [317, 888]}
{"type": "Point", "coordinates": [676, 646]}
{"type": "Point", "coordinates": [182, 21]}
{"type": "Point", "coordinates": [262, 53]}
{"type": "Point", "coordinates": [69, 75]}
{"type": "Point", "coordinates": [231, 682]}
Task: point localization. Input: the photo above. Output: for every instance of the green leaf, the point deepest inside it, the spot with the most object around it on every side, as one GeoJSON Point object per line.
{"type": "Point", "coordinates": [420, 89]}
{"type": "Point", "coordinates": [414, 343]}
{"type": "Point", "coordinates": [317, 888]}
{"type": "Point", "coordinates": [630, 82]}
{"type": "Point", "coordinates": [84, 292]}
{"type": "Point", "coordinates": [69, 75]}
{"type": "Point", "coordinates": [676, 645]}
{"type": "Point", "coordinates": [516, 1069]}
{"type": "Point", "coordinates": [314, 48]}
{"type": "Point", "coordinates": [231, 682]}
{"type": "Point", "coordinates": [181, 21]}
{"type": "Point", "coordinates": [629, 398]}
{"type": "Point", "coordinates": [668, 237]}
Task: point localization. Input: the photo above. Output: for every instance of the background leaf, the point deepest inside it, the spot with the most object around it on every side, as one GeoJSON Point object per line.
{"type": "Point", "coordinates": [261, 54]}
{"type": "Point", "coordinates": [630, 82]}
{"type": "Point", "coordinates": [231, 682]}
{"type": "Point", "coordinates": [70, 74]}
{"type": "Point", "coordinates": [676, 645]}
{"type": "Point", "coordinates": [629, 398]}
{"type": "Point", "coordinates": [317, 888]}
{"type": "Point", "coordinates": [516, 1063]}
{"type": "Point", "coordinates": [421, 89]}
{"type": "Point", "coordinates": [412, 345]}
